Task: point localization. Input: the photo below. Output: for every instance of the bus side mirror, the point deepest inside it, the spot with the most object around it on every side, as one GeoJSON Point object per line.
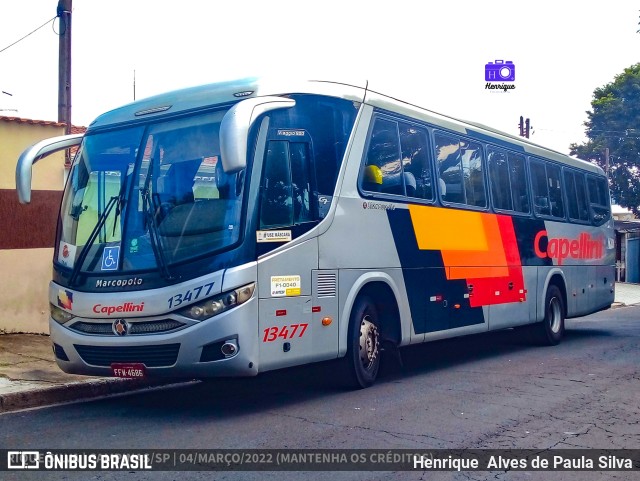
{"type": "Point", "coordinates": [235, 126]}
{"type": "Point", "coordinates": [33, 154]}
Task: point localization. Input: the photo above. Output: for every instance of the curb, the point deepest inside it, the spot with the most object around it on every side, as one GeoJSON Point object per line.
{"type": "Point", "coordinates": [617, 305]}
{"type": "Point", "coordinates": [75, 391]}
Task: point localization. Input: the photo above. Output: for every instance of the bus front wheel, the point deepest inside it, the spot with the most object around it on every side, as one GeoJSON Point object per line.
{"type": "Point", "coordinates": [363, 350]}
{"type": "Point", "coordinates": [550, 331]}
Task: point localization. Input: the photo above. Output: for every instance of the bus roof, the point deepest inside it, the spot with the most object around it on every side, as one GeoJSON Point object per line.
{"type": "Point", "coordinates": [205, 96]}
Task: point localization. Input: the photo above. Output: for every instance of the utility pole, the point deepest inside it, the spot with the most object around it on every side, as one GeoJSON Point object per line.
{"type": "Point", "coordinates": [525, 127]}
{"type": "Point", "coordinates": [64, 64]}
{"type": "Point", "coordinates": [521, 126]}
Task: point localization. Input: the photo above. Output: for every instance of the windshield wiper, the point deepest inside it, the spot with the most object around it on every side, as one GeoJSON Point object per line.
{"type": "Point", "coordinates": [92, 237]}
{"type": "Point", "coordinates": [149, 207]}
{"type": "Point", "coordinates": [119, 208]}
{"type": "Point", "coordinates": [119, 202]}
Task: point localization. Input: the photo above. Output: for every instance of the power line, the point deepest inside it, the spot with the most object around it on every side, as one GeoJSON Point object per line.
{"type": "Point", "coordinates": [30, 33]}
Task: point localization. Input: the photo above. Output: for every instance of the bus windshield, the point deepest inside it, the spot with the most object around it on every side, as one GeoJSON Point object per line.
{"type": "Point", "coordinates": [147, 197]}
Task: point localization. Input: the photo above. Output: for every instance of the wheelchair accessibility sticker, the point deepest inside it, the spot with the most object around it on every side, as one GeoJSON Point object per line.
{"type": "Point", "coordinates": [110, 258]}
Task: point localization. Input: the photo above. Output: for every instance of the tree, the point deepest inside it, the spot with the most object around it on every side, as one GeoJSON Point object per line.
{"type": "Point", "coordinates": [614, 123]}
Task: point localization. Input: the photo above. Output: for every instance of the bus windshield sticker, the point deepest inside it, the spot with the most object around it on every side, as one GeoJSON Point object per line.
{"type": "Point", "coordinates": [110, 258]}
{"type": "Point", "coordinates": [67, 254]}
{"type": "Point", "coordinates": [282, 286]}
{"type": "Point", "coordinates": [291, 133]}
{"type": "Point", "coordinates": [324, 204]}
{"type": "Point", "coordinates": [133, 247]}
{"type": "Point", "coordinates": [273, 236]}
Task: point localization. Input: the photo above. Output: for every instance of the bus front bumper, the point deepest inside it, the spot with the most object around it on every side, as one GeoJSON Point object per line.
{"type": "Point", "coordinates": [192, 352]}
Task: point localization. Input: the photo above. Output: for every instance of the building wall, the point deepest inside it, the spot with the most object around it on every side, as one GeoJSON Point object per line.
{"type": "Point", "coordinates": [27, 231]}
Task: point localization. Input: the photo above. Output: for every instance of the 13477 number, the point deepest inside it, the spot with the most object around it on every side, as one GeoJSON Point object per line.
{"type": "Point", "coordinates": [284, 332]}
{"type": "Point", "coordinates": [190, 295]}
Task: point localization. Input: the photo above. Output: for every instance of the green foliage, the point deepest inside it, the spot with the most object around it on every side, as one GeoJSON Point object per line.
{"type": "Point", "coordinates": [614, 122]}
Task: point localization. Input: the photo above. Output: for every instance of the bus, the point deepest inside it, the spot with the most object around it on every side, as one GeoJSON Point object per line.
{"type": "Point", "coordinates": [241, 227]}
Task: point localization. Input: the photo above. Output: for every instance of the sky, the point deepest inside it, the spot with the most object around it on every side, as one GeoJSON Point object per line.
{"type": "Point", "coordinates": [429, 53]}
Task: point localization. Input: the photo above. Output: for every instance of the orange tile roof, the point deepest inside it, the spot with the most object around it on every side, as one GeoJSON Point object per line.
{"type": "Point", "coordinates": [75, 129]}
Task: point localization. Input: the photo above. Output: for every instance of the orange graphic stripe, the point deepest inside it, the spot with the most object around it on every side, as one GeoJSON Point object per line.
{"type": "Point", "coordinates": [470, 242]}
{"type": "Point", "coordinates": [478, 247]}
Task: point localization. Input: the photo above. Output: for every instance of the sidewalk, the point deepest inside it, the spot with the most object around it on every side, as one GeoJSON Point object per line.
{"type": "Point", "coordinates": [29, 376]}
{"type": "Point", "coordinates": [627, 294]}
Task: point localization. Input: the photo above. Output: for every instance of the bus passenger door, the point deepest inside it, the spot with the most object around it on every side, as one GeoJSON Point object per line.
{"type": "Point", "coordinates": [287, 210]}
{"type": "Point", "coordinates": [285, 306]}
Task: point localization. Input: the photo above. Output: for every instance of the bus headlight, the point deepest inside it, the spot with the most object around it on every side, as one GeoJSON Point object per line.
{"type": "Point", "coordinates": [219, 303]}
{"type": "Point", "coordinates": [60, 315]}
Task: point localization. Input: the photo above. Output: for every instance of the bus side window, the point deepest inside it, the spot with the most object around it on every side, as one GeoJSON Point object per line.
{"type": "Point", "coordinates": [301, 182]}
{"type": "Point", "coordinates": [519, 184]}
{"type": "Point", "coordinates": [383, 166]}
{"type": "Point", "coordinates": [416, 162]}
{"type": "Point", "coordinates": [555, 190]}
{"type": "Point", "coordinates": [583, 203]}
{"type": "Point", "coordinates": [276, 207]}
{"type": "Point", "coordinates": [286, 186]}
{"type": "Point", "coordinates": [540, 188]}
{"type": "Point", "coordinates": [509, 187]}
{"type": "Point", "coordinates": [460, 170]}
{"type": "Point", "coordinates": [449, 168]}
{"type": "Point", "coordinates": [500, 182]}
{"type": "Point", "coordinates": [471, 155]}
{"type": "Point", "coordinates": [598, 199]}
{"type": "Point", "coordinates": [576, 196]}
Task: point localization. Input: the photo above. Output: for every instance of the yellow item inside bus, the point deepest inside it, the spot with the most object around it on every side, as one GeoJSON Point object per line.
{"type": "Point", "coordinates": [373, 174]}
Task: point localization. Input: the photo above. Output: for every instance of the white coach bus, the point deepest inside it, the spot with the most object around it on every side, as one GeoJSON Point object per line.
{"type": "Point", "coordinates": [236, 228]}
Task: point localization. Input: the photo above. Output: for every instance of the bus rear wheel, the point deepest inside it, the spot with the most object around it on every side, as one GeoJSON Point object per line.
{"type": "Point", "coordinates": [362, 361]}
{"type": "Point", "coordinates": [550, 331]}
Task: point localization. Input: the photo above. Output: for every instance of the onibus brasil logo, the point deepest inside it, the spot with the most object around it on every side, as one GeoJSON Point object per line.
{"type": "Point", "coordinates": [500, 75]}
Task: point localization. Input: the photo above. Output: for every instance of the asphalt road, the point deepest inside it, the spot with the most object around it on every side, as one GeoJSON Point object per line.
{"type": "Point", "coordinates": [485, 391]}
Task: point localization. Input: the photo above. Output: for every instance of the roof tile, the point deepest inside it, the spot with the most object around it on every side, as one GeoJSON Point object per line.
{"type": "Point", "coordinates": [75, 129]}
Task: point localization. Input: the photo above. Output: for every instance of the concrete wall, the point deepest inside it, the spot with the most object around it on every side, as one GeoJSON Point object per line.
{"type": "Point", "coordinates": [27, 232]}
{"type": "Point", "coordinates": [24, 290]}
{"type": "Point", "coordinates": [15, 136]}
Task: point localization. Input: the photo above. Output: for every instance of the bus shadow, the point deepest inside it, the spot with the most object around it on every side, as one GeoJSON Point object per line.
{"type": "Point", "coordinates": [579, 333]}
{"type": "Point", "coordinates": [450, 353]}
{"type": "Point", "coordinates": [223, 398]}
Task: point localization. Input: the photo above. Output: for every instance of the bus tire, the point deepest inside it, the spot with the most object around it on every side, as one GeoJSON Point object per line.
{"type": "Point", "coordinates": [550, 331]}
{"type": "Point", "coordinates": [362, 361]}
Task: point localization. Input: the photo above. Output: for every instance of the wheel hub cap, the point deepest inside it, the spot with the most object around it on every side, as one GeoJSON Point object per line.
{"type": "Point", "coordinates": [368, 343]}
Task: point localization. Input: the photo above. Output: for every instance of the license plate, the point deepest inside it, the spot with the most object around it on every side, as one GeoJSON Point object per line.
{"type": "Point", "coordinates": [128, 371]}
